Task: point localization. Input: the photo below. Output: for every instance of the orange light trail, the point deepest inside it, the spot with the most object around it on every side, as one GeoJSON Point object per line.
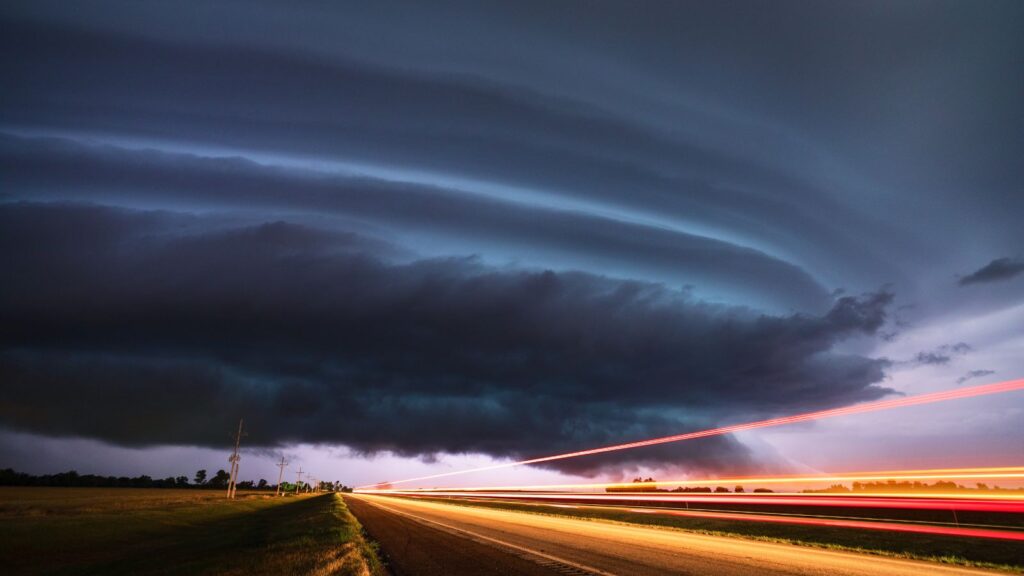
{"type": "Point", "coordinates": [970, 392]}
{"type": "Point", "coordinates": [816, 500]}
{"type": "Point", "coordinates": [842, 523]}
{"type": "Point", "coordinates": [1008, 473]}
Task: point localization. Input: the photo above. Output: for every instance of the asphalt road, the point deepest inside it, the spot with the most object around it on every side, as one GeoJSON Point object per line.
{"type": "Point", "coordinates": [428, 538]}
{"type": "Point", "coordinates": [411, 548]}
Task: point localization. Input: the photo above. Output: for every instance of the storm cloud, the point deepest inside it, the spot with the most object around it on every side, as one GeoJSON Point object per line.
{"type": "Point", "coordinates": [500, 229]}
{"type": "Point", "coordinates": [69, 170]}
{"type": "Point", "coordinates": [149, 327]}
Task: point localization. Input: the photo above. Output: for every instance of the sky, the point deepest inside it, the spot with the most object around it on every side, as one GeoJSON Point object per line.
{"type": "Point", "coordinates": [407, 238]}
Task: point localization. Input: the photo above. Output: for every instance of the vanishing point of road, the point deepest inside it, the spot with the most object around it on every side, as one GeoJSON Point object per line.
{"type": "Point", "coordinates": [421, 538]}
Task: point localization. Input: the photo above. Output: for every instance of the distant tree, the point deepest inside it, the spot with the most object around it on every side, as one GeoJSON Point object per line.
{"type": "Point", "coordinates": [721, 489]}
{"type": "Point", "coordinates": [763, 491]}
{"type": "Point", "coordinates": [244, 485]}
{"type": "Point", "coordinates": [262, 484]}
{"type": "Point", "coordinates": [639, 484]}
{"type": "Point", "coordinates": [219, 480]}
{"type": "Point", "coordinates": [834, 488]}
{"type": "Point", "coordinates": [10, 477]}
{"type": "Point", "coordinates": [738, 490]}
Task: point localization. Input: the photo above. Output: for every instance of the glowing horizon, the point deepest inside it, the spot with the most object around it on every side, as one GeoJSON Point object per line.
{"type": "Point", "coordinates": [974, 391]}
{"type": "Point", "coordinates": [984, 473]}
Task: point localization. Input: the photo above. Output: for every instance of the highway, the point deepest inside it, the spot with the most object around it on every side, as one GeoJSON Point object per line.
{"type": "Point", "coordinates": [427, 538]}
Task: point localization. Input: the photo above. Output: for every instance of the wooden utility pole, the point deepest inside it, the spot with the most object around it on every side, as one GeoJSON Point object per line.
{"type": "Point", "coordinates": [235, 457]}
{"type": "Point", "coordinates": [280, 476]}
{"type": "Point", "coordinates": [298, 480]}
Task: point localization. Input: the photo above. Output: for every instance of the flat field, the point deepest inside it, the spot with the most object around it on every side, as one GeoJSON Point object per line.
{"type": "Point", "coordinates": [167, 531]}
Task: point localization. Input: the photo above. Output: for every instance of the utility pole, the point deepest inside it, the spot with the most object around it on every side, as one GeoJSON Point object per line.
{"type": "Point", "coordinates": [298, 480]}
{"type": "Point", "coordinates": [280, 476]}
{"type": "Point", "coordinates": [233, 479]}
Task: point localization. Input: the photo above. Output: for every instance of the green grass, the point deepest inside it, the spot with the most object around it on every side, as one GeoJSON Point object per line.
{"type": "Point", "coordinates": [139, 531]}
{"type": "Point", "coordinates": [978, 552]}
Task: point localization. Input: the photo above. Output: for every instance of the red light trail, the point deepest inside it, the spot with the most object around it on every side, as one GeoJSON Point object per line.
{"type": "Point", "coordinates": [971, 392]}
{"type": "Point", "coordinates": [831, 501]}
{"type": "Point", "coordinates": [841, 523]}
{"type": "Point", "coordinates": [990, 473]}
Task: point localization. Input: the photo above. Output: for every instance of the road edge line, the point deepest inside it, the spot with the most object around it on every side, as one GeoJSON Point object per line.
{"type": "Point", "coordinates": [522, 549]}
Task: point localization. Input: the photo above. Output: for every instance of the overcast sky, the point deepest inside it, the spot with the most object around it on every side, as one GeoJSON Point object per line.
{"type": "Point", "coordinates": [411, 237]}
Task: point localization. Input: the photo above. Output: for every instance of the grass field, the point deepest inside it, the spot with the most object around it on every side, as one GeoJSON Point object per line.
{"type": "Point", "coordinates": [998, 554]}
{"type": "Point", "coordinates": [163, 531]}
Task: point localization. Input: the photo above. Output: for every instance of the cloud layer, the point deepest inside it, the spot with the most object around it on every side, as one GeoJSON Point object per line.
{"type": "Point", "coordinates": [504, 229]}
{"type": "Point", "coordinates": [141, 327]}
{"type": "Point", "coordinates": [47, 167]}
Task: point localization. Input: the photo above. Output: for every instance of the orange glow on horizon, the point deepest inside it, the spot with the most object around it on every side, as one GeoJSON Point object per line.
{"type": "Point", "coordinates": [974, 391]}
{"type": "Point", "coordinates": [917, 502]}
{"type": "Point", "coordinates": [1007, 473]}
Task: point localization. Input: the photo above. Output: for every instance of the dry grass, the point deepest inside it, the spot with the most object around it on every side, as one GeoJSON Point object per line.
{"type": "Point", "coordinates": [157, 531]}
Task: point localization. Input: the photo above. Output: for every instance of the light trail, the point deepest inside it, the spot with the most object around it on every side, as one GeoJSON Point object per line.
{"type": "Point", "coordinates": [990, 473]}
{"type": "Point", "coordinates": [839, 523]}
{"type": "Point", "coordinates": [639, 547]}
{"type": "Point", "coordinates": [830, 500]}
{"type": "Point", "coordinates": [970, 392]}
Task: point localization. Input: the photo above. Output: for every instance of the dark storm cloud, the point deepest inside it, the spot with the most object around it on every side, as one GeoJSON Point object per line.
{"type": "Point", "coordinates": [182, 239]}
{"type": "Point", "coordinates": [996, 270]}
{"type": "Point", "coordinates": [276, 100]}
{"type": "Point", "coordinates": [61, 169]}
{"type": "Point", "coordinates": [151, 327]}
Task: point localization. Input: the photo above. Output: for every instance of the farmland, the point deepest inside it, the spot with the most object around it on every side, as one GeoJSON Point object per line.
{"type": "Point", "coordinates": [169, 531]}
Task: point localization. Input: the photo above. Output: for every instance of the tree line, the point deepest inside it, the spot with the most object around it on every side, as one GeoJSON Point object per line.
{"type": "Point", "coordinates": [650, 485]}
{"type": "Point", "coordinates": [200, 480]}
{"type": "Point", "coordinates": [942, 486]}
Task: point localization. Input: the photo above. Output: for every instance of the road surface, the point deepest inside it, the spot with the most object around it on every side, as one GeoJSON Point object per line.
{"type": "Point", "coordinates": [428, 538]}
